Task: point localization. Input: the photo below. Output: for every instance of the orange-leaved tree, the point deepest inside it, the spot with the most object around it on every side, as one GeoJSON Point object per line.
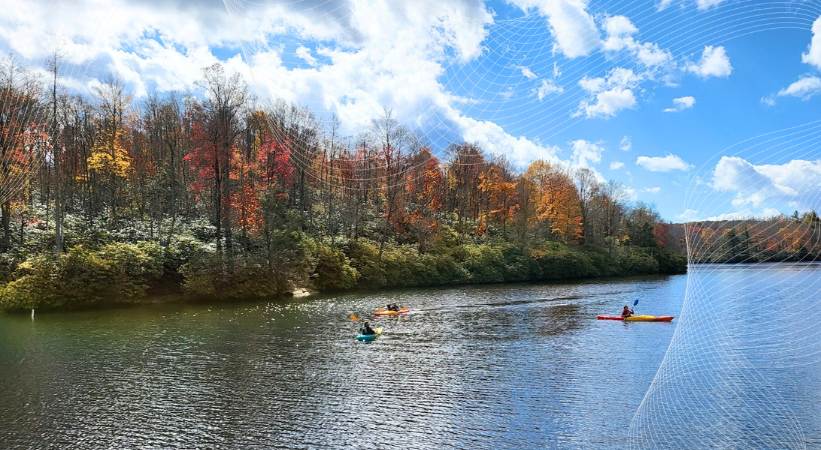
{"type": "Point", "coordinates": [556, 201]}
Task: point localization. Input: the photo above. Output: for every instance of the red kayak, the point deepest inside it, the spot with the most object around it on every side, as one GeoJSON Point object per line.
{"type": "Point", "coordinates": [642, 318]}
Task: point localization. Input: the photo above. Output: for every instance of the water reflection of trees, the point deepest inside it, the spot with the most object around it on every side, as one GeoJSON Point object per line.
{"type": "Point", "coordinates": [560, 319]}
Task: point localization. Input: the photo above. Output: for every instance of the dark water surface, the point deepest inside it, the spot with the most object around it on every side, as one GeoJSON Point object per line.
{"type": "Point", "coordinates": [511, 366]}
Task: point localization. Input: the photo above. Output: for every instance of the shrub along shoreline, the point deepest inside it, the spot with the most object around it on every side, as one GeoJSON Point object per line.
{"type": "Point", "coordinates": [127, 273]}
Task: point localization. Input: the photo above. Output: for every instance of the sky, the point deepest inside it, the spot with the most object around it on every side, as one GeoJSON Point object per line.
{"type": "Point", "coordinates": [706, 109]}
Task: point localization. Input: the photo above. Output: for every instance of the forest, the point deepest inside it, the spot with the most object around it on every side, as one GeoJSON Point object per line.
{"type": "Point", "coordinates": [107, 199]}
{"type": "Point", "coordinates": [778, 239]}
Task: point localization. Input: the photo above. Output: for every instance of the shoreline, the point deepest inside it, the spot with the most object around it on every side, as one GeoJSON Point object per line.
{"type": "Point", "coordinates": [125, 273]}
{"type": "Point", "coordinates": [184, 299]}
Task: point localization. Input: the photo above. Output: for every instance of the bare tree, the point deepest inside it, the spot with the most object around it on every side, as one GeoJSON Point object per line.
{"type": "Point", "coordinates": [226, 97]}
{"type": "Point", "coordinates": [56, 156]}
{"type": "Point", "coordinates": [586, 185]}
{"type": "Point", "coordinates": [396, 144]}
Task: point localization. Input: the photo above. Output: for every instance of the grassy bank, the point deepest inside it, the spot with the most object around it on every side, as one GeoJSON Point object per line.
{"type": "Point", "coordinates": [119, 273]}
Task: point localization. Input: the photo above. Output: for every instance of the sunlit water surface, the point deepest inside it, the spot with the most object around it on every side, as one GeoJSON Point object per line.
{"type": "Point", "coordinates": [511, 366]}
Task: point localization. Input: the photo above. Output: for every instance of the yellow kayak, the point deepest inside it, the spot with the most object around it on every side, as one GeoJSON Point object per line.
{"type": "Point", "coordinates": [646, 318]}
{"type": "Point", "coordinates": [388, 312]}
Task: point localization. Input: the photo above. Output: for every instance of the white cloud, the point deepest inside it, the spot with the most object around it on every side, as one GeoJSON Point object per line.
{"type": "Point", "coordinates": [768, 100]}
{"type": "Point", "coordinates": [573, 29]}
{"type": "Point", "coordinates": [304, 53]}
{"type": "Point", "coordinates": [372, 55]}
{"type": "Point", "coordinates": [733, 173]}
{"type": "Point", "coordinates": [626, 143]}
{"type": "Point", "coordinates": [616, 165]}
{"type": "Point", "coordinates": [702, 5]}
{"type": "Point", "coordinates": [813, 55]}
{"type": "Point", "coordinates": [662, 163]}
{"type": "Point", "coordinates": [805, 88]}
{"type": "Point", "coordinates": [798, 181]}
{"type": "Point", "coordinates": [609, 94]}
{"type": "Point", "coordinates": [527, 73]}
{"type": "Point", "coordinates": [651, 55]}
{"type": "Point", "coordinates": [87, 29]}
{"type": "Point", "coordinates": [653, 189]}
{"type": "Point", "coordinates": [707, 4]}
{"type": "Point", "coordinates": [688, 215]}
{"type": "Point", "coordinates": [548, 87]}
{"type": "Point", "coordinates": [734, 215]}
{"type": "Point", "coordinates": [585, 153]}
{"type": "Point", "coordinates": [808, 85]}
{"type": "Point", "coordinates": [620, 31]}
{"type": "Point", "coordinates": [714, 63]}
{"type": "Point", "coordinates": [681, 103]}
{"type": "Point", "coordinates": [745, 214]}
{"type": "Point", "coordinates": [617, 27]}
{"type": "Point", "coordinates": [520, 151]}
{"type": "Point", "coordinates": [608, 103]}
{"type": "Point", "coordinates": [769, 212]}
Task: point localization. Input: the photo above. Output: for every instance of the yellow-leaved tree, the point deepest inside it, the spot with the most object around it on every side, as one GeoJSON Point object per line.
{"type": "Point", "coordinates": [109, 159]}
{"type": "Point", "coordinates": [555, 200]}
{"type": "Point", "coordinates": [109, 155]}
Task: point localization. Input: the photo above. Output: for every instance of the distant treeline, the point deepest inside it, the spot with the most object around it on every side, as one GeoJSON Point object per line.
{"type": "Point", "coordinates": [788, 239]}
{"type": "Point", "coordinates": [106, 199]}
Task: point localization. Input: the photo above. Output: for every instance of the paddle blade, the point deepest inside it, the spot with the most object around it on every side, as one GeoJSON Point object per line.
{"type": "Point", "coordinates": [353, 317]}
{"type": "Point", "coordinates": [636, 302]}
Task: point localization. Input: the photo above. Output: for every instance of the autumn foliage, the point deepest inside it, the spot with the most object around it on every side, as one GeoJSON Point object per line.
{"type": "Point", "coordinates": [247, 200]}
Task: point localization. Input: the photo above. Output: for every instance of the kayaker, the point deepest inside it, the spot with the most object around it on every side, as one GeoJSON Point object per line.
{"type": "Point", "coordinates": [626, 312]}
{"type": "Point", "coordinates": [366, 329]}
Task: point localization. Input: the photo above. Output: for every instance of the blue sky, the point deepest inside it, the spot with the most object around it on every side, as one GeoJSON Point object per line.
{"type": "Point", "coordinates": [653, 94]}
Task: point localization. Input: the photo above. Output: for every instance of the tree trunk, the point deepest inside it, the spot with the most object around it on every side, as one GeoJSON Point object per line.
{"type": "Point", "coordinates": [218, 205]}
{"type": "Point", "coordinates": [5, 223]}
{"type": "Point", "coordinates": [226, 213]}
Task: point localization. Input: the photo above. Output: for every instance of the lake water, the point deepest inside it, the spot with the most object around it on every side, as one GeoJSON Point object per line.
{"type": "Point", "coordinates": [510, 366]}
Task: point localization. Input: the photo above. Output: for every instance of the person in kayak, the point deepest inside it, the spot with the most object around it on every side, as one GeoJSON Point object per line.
{"type": "Point", "coordinates": [366, 329]}
{"type": "Point", "coordinates": [626, 312]}
{"type": "Point", "coordinates": [393, 307]}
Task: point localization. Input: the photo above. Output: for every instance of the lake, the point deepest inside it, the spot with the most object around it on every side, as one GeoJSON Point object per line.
{"type": "Point", "coordinates": [495, 366]}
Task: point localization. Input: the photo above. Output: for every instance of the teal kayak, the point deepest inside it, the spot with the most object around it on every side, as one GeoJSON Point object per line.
{"type": "Point", "coordinates": [369, 337]}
